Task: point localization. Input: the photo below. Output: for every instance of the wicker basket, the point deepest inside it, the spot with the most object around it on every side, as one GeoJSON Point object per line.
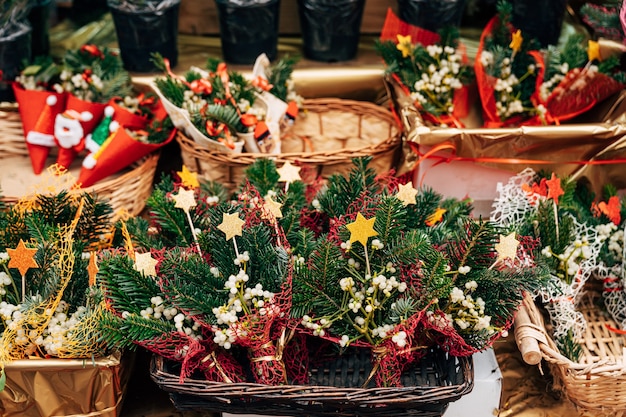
{"type": "Point", "coordinates": [327, 134]}
{"type": "Point", "coordinates": [430, 386]}
{"type": "Point", "coordinates": [597, 382]}
{"type": "Point", "coordinates": [126, 191]}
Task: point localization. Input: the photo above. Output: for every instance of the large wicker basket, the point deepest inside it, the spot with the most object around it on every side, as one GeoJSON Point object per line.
{"type": "Point", "coordinates": [596, 383]}
{"type": "Point", "coordinates": [335, 390]}
{"type": "Point", "coordinates": [327, 134]}
{"type": "Point", "coordinates": [126, 191]}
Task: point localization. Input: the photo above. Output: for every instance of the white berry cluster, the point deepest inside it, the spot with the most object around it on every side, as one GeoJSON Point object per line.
{"type": "Point", "coordinates": [60, 325]}
{"type": "Point", "coordinates": [242, 299]}
{"type": "Point", "coordinates": [613, 237]}
{"type": "Point", "coordinates": [79, 84]}
{"type": "Point", "coordinates": [438, 82]}
{"type": "Point", "coordinates": [571, 258]}
{"type": "Point", "coordinates": [317, 326]}
{"type": "Point", "coordinates": [467, 313]}
{"type": "Point", "coordinates": [5, 281]}
{"type": "Point", "coordinates": [158, 310]}
{"type": "Point", "coordinates": [546, 88]}
{"type": "Point", "coordinates": [507, 85]}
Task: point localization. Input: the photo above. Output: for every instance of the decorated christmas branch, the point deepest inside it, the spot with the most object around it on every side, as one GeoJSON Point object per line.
{"type": "Point", "coordinates": [49, 304]}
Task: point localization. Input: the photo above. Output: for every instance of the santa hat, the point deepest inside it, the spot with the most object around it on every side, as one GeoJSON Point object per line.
{"type": "Point", "coordinates": [41, 138]}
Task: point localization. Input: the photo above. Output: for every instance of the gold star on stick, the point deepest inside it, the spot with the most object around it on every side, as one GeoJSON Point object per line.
{"type": "Point", "coordinates": [593, 51]}
{"type": "Point", "coordinates": [516, 41]}
{"type": "Point", "coordinates": [406, 193]}
{"type": "Point", "coordinates": [92, 269]}
{"type": "Point", "coordinates": [273, 207]}
{"type": "Point", "coordinates": [185, 199]}
{"type": "Point", "coordinates": [361, 229]}
{"type": "Point", "coordinates": [22, 258]}
{"type": "Point", "coordinates": [145, 263]}
{"type": "Point", "coordinates": [189, 179]}
{"type": "Point", "coordinates": [507, 247]}
{"type": "Point", "coordinates": [289, 173]}
{"type": "Point", "coordinates": [231, 225]}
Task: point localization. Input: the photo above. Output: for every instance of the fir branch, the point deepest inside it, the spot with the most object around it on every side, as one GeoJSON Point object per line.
{"type": "Point", "coordinates": [190, 285]}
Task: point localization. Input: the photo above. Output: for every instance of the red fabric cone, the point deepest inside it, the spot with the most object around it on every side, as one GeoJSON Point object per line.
{"type": "Point", "coordinates": [127, 118]}
{"type": "Point", "coordinates": [33, 110]}
{"type": "Point", "coordinates": [120, 151]}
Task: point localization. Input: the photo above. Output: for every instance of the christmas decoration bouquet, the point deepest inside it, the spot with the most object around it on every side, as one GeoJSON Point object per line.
{"type": "Point", "coordinates": [521, 84]}
{"type": "Point", "coordinates": [221, 109]}
{"type": "Point", "coordinates": [431, 68]}
{"type": "Point", "coordinates": [205, 282]}
{"type": "Point", "coordinates": [576, 235]}
{"type": "Point", "coordinates": [397, 271]}
{"type": "Point", "coordinates": [506, 74]}
{"type": "Point", "coordinates": [86, 104]}
{"type": "Point", "coordinates": [573, 79]}
{"type": "Point", "coordinates": [49, 303]}
{"type": "Point", "coordinates": [131, 128]}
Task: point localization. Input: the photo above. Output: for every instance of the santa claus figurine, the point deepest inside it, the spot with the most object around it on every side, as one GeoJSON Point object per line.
{"type": "Point", "coordinates": [69, 135]}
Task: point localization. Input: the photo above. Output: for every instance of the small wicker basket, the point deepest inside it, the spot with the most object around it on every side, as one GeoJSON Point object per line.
{"type": "Point", "coordinates": [596, 383]}
{"type": "Point", "coordinates": [429, 386]}
{"type": "Point", "coordinates": [127, 191]}
{"type": "Point", "coordinates": [327, 134]}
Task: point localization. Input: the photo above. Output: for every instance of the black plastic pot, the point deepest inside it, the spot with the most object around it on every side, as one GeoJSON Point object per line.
{"type": "Point", "coordinates": [248, 28]}
{"type": "Point", "coordinates": [39, 18]}
{"type": "Point", "coordinates": [432, 14]}
{"type": "Point", "coordinates": [539, 19]}
{"type": "Point", "coordinates": [14, 51]}
{"type": "Point", "coordinates": [330, 28]}
{"type": "Point", "coordinates": [142, 31]}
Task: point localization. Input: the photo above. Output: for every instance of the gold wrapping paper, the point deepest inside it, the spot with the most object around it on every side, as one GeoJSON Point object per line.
{"type": "Point", "coordinates": [65, 387]}
{"type": "Point", "coordinates": [569, 149]}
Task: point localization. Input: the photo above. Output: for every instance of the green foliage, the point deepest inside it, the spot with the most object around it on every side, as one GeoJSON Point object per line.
{"type": "Point", "coordinates": [341, 192]}
{"type": "Point", "coordinates": [279, 74]}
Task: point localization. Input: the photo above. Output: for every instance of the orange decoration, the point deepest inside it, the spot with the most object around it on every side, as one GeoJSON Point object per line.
{"type": "Point", "coordinates": [554, 188]}
{"type": "Point", "coordinates": [22, 258]}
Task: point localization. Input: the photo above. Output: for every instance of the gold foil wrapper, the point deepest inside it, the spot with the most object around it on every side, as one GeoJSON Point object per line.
{"type": "Point", "coordinates": [66, 387]}
{"type": "Point", "coordinates": [592, 147]}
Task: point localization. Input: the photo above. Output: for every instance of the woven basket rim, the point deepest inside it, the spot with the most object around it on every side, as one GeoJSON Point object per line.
{"type": "Point", "coordinates": [550, 352]}
{"type": "Point", "coordinates": [324, 157]}
{"type": "Point", "coordinates": [356, 396]}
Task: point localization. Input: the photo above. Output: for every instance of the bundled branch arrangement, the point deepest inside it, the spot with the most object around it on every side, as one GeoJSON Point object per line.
{"type": "Point", "coordinates": [519, 82]}
{"type": "Point", "coordinates": [249, 286]}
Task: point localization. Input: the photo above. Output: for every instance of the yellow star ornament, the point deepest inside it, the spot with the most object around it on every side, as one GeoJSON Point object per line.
{"type": "Point", "coordinates": [231, 225]}
{"type": "Point", "coordinates": [406, 193]}
{"type": "Point", "coordinates": [362, 229]}
{"type": "Point", "coordinates": [289, 173]}
{"type": "Point", "coordinates": [145, 263]}
{"type": "Point", "coordinates": [185, 199]}
{"type": "Point", "coordinates": [404, 45]}
{"type": "Point", "coordinates": [22, 258]}
{"type": "Point", "coordinates": [189, 179]}
{"type": "Point", "coordinates": [593, 51]}
{"type": "Point", "coordinates": [507, 247]}
{"type": "Point", "coordinates": [273, 207]}
{"type": "Point", "coordinates": [516, 41]}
